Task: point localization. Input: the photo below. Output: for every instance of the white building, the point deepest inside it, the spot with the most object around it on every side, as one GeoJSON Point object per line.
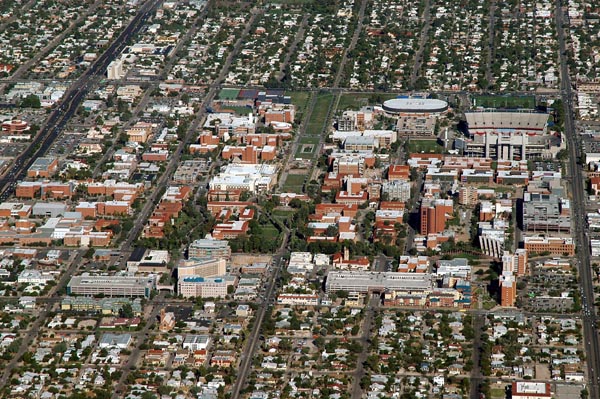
{"type": "Point", "coordinates": [458, 268]}
{"type": "Point", "coordinates": [204, 287]}
{"type": "Point", "coordinates": [300, 263]}
{"type": "Point", "coordinates": [396, 190]}
{"type": "Point", "coordinates": [491, 239]}
{"type": "Point", "coordinates": [34, 277]}
{"type": "Point", "coordinates": [206, 267]}
{"type": "Point", "coordinates": [298, 299]}
{"type": "Point", "coordinates": [531, 390]}
{"type": "Point", "coordinates": [595, 247]}
{"type": "Point", "coordinates": [196, 342]}
{"type": "Point", "coordinates": [110, 340]}
{"type": "Point", "coordinates": [250, 177]}
{"type": "Point", "coordinates": [365, 281]}
{"type": "Point", "coordinates": [115, 70]}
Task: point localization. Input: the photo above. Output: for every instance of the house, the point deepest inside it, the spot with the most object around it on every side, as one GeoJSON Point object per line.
{"type": "Point", "coordinates": [223, 358]}
{"type": "Point", "coordinates": [157, 357]}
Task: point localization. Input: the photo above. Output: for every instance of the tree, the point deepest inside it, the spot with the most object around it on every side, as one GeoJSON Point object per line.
{"type": "Point", "coordinates": [342, 294]}
{"type": "Point", "coordinates": [164, 390]}
{"type": "Point", "coordinates": [563, 154]}
{"type": "Point", "coordinates": [126, 311]}
{"type": "Point", "coordinates": [89, 253]}
{"type": "Point", "coordinates": [31, 101]}
{"type": "Point", "coordinates": [60, 348]}
{"type": "Point", "coordinates": [331, 231]}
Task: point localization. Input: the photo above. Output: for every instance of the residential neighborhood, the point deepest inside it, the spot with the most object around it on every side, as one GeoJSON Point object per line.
{"type": "Point", "coordinates": [357, 199]}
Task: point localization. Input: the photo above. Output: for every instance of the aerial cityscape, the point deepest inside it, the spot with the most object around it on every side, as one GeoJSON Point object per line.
{"type": "Point", "coordinates": [349, 199]}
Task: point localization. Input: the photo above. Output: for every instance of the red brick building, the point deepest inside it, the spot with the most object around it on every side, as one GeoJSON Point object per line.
{"type": "Point", "coordinates": [399, 172]}
{"type": "Point", "coordinates": [230, 230]}
{"type": "Point", "coordinates": [349, 210]}
{"type": "Point", "coordinates": [434, 214]}
{"type": "Point", "coordinates": [43, 167]}
{"type": "Point", "coordinates": [248, 154]}
{"type": "Point", "coordinates": [508, 289]}
{"type": "Point", "coordinates": [346, 198]}
{"type": "Point", "coordinates": [224, 195]}
{"type": "Point", "coordinates": [57, 190]}
{"type": "Point", "coordinates": [216, 207]}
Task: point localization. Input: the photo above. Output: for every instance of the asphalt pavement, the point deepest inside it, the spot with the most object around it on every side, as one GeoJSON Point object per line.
{"type": "Point", "coordinates": [592, 345]}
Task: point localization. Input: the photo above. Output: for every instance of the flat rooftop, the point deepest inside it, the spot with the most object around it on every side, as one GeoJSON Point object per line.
{"type": "Point", "coordinates": [42, 163]}
{"type": "Point", "coordinates": [209, 244]}
{"type": "Point", "coordinates": [115, 281]}
{"type": "Point", "coordinates": [366, 280]}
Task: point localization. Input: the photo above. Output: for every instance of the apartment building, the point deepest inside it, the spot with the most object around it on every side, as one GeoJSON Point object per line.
{"type": "Point", "coordinates": [467, 195]}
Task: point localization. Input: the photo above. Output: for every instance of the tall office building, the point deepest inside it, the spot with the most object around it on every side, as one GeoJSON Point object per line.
{"type": "Point", "coordinates": [434, 214]}
{"type": "Point", "coordinates": [515, 263]}
{"type": "Point", "coordinates": [508, 289]}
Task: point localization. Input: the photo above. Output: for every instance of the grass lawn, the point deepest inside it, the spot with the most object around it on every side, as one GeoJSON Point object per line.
{"type": "Point", "coordinates": [293, 189]}
{"type": "Point", "coordinates": [270, 231]}
{"type": "Point", "coordinates": [319, 114]}
{"type": "Point", "coordinates": [425, 146]}
{"type": "Point", "coordinates": [294, 183]}
{"type": "Point", "coordinates": [488, 305]}
{"type": "Point", "coordinates": [307, 147]}
{"type": "Point", "coordinates": [299, 99]}
{"type": "Point", "coordinates": [308, 140]}
{"type": "Point", "coordinates": [283, 214]}
{"type": "Point", "coordinates": [295, 180]}
{"type": "Point", "coordinates": [355, 101]}
{"type": "Point", "coordinates": [228, 94]}
{"type": "Point", "coordinates": [305, 152]}
{"type": "Point", "coordinates": [504, 101]}
{"type": "Point", "coordinates": [497, 393]}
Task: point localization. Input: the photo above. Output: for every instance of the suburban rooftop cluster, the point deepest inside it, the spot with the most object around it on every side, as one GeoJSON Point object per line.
{"type": "Point", "coordinates": [299, 199]}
